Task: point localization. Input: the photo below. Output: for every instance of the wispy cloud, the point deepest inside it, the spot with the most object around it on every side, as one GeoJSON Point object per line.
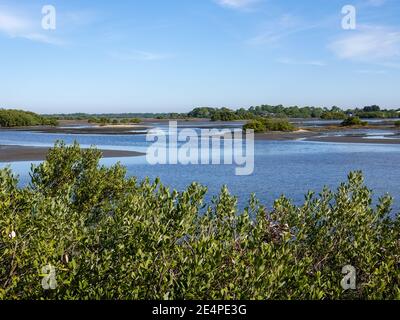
{"type": "Point", "coordinates": [42, 38]}
{"type": "Point", "coordinates": [315, 63]}
{"type": "Point", "coordinates": [138, 55]}
{"type": "Point", "coordinates": [236, 4]}
{"type": "Point", "coordinates": [11, 24]}
{"type": "Point", "coordinates": [368, 44]}
{"type": "Point", "coordinates": [376, 3]}
{"type": "Point", "coordinates": [368, 71]}
{"type": "Point", "coordinates": [289, 25]}
{"type": "Point", "coordinates": [21, 26]}
{"type": "Point", "coordinates": [286, 25]}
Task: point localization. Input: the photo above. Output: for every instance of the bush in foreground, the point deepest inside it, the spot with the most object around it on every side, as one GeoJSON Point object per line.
{"type": "Point", "coordinates": [112, 237]}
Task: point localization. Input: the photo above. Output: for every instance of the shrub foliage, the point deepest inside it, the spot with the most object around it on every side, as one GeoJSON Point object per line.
{"type": "Point", "coordinates": [112, 237]}
{"type": "Point", "coordinates": [19, 118]}
{"type": "Point", "coordinates": [353, 121]}
{"type": "Point", "coordinates": [267, 124]}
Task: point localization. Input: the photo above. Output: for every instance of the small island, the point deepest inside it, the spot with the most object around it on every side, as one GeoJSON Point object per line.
{"type": "Point", "coordinates": [261, 125]}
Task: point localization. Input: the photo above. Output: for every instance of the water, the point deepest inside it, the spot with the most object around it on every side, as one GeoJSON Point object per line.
{"type": "Point", "coordinates": [322, 123]}
{"type": "Point", "coordinates": [281, 167]}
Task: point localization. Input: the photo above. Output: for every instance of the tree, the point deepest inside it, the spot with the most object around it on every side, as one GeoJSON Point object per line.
{"type": "Point", "coordinates": [265, 124]}
{"type": "Point", "coordinates": [373, 108]}
{"type": "Point", "coordinates": [333, 115]}
{"type": "Point", "coordinates": [201, 113]}
{"type": "Point", "coordinates": [18, 118]}
{"type": "Point", "coordinates": [353, 121]}
{"type": "Point", "coordinates": [223, 114]}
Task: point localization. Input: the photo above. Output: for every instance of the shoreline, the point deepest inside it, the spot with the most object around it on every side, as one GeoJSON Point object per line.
{"type": "Point", "coordinates": [15, 153]}
{"type": "Point", "coordinates": [82, 127]}
{"type": "Point", "coordinates": [313, 137]}
{"type": "Point", "coordinates": [353, 139]}
{"type": "Point", "coordinates": [18, 153]}
{"type": "Point", "coordinates": [89, 130]}
{"type": "Point", "coordinates": [318, 136]}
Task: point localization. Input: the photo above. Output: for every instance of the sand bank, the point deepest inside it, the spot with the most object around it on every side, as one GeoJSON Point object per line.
{"type": "Point", "coordinates": [22, 153]}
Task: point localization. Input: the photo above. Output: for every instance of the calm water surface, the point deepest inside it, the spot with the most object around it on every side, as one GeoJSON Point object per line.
{"type": "Point", "coordinates": [281, 167]}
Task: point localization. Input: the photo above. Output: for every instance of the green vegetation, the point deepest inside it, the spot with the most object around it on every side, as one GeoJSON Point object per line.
{"type": "Point", "coordinates": [375, 112]}
{"type": "Point", "coordinates": [353, 121]}
{"type": "Point", "coordinates": [205, 113]}
{"type": "Point", "coordinates": [112, 237]}
{"type": "Point", "coordinates": [268, 111]}
{"type": "Point", "coordinates": [266, 124]}
{"type": "Point", "coordinates": [106, 121]}
{"type": "Point", "coordinates": [224, 114]}
{"type": "Point", "coordinates": [279, 111]}
{"type": "Point", "coordinates": [119, 116]}
{"type": "Point", "coordinates": [130, 121]}
{"type": "Point", "coordinates": [257, 125]}
{"type": "Point", "coordinates": [19, 118]}
{"type": "Point", "coordinates": [397, 123]}
{"type": "Point", "coordinates": [335, 115]}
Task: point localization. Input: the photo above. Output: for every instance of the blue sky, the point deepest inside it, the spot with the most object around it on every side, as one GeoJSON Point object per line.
{"type": "Point", "coordinates": [173, 55]}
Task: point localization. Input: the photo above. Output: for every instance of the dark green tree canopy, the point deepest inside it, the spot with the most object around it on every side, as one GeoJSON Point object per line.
{"type": "Point", "coordinates": [19, 118]}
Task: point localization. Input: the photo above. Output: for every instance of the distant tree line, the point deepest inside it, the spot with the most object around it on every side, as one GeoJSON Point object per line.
{"type": "Point", "coordinates": [215, 114]}
{"type": "Point", "coordinates": [18, 118]}
{"type": "Point", "coordinates": [263, 124]}
{"type": "Point", "coordinates": [118, 116]}
{"type": "Point", "coordinates": [279, 111]}
{"type": "Point", "coordinates": [113, 121]}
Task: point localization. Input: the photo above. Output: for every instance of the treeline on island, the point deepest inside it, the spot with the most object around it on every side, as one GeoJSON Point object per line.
{"type": "Point", "coordinates": [108, 236]}
{"type": "Point", "coordinates": [266, 124]}
{"type": "Point", "coordinates": [113, 121]}
{"type": "Point", "coordinates": [269, 124]}
{"type": "Point", "coordinates": [257, 116]}
{"type": "Point", "coordinates": [18, 118]}
{"type": "Point", "coordinates": [334, 113]}
{"type": "Point", "coordinates": [227, 114]}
